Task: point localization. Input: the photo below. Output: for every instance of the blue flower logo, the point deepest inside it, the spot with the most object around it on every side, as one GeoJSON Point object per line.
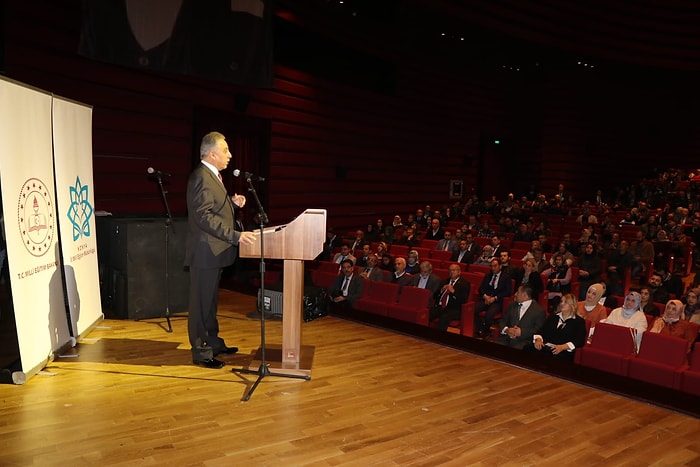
{"type": "Point", "coordinates": [80, 210]}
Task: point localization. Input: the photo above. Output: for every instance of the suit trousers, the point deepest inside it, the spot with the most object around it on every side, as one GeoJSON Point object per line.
{"type": "Point", "coordinates": [202, 324]}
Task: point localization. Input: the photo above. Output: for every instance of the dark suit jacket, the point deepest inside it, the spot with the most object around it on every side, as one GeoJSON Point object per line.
{"type": "Point", "coordinates": [458, 298]}
{"type": "Point", "coordinates": [534, 281]}
{"type": "Point", "coordinates": [433, 283]}
{"type": "Point", "coordinates": [504, 287]}
{"type": "Point", "coordinates": [354, 288]}
{"type": "Point", "coordinates": [211, 234]}
{"type": "Point", "coordinates": [473, 252]}
{"type": "Point", "coordinates": [439, 235]}
{"type": "Point", "coordinates": [573, 331]}
{"type": "Point", "coordinates": [531, 322]}
{"type": "Point", "coordinates": [376, 274]}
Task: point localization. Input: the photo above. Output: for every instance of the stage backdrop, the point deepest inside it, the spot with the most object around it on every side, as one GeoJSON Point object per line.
{"type": "Point", "coordinates": [72, 137]}
{"type": "Point", "coordinates": [30, 222]}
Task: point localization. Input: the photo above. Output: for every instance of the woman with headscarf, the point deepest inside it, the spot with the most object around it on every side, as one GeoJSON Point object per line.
{"type": "Point", "coordinates": [591, 309]}
{"type": "Point", "coordinates": [691, 312]}
{"type": "Point", "coordinates": [631, 316]}
{"type": "Point", "coordinates": [671, 323]}
{"type": "Point", "coordinates": [485, 256]}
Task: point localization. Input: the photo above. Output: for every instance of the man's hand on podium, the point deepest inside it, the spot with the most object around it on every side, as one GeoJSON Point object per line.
{"type": "Point", "coordinates": [248, 238]}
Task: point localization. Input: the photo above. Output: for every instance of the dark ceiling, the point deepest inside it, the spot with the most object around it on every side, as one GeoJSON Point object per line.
{"type": "Point", "coordinates": [649, 33]}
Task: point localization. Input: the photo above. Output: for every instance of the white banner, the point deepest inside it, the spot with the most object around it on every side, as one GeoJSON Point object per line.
{"type": "Point", "coordinates": [28, 197]}
{"type": "Point", "coordinates": [72, 136]}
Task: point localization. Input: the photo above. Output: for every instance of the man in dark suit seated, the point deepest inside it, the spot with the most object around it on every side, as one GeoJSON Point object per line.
{"type": "Point", "coordinates": [522, 320]}
{"type": "Point", "coordinates": [426, 279]}
{"type": "Point", "coordinates": [453, 293]}
{"type": "Point", "coordinates": [347, 287]}
{"type": "Point", "coordinates": [494, 288]}
{"type": "Point", "coordinates": [467, 250]}
{"type": "Point", "coordinates": [372, 272]}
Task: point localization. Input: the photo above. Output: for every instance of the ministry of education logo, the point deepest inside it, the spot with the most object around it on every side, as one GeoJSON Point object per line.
{"type": "Point", "coordinates": [80, 210]}
{"type": "Point", "coordinates": [35, 217]}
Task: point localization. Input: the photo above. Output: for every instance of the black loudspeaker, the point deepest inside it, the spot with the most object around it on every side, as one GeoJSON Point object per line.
{"type": "Point", "coordinates": [131, 253]}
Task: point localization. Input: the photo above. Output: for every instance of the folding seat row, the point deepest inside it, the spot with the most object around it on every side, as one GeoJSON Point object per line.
{"type": "Point", "coordinates": [661, 359]}
{"type": "Point", "coordinates": [405, 303]}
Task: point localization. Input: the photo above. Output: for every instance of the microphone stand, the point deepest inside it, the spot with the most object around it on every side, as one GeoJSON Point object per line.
{"type": "Point", "coordinates": [263, 369]}
{"type": "Point", "coordinates": [168, 222]}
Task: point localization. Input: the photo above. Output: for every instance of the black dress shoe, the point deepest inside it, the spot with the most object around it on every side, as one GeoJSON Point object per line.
{"type": "Point", "coordinates": [211, 363]}
{"type": "Point", "coordinates": [227, 351]}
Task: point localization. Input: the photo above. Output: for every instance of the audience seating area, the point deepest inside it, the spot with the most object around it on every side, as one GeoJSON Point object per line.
{"type": "Point", "coordinates": [661, 360]}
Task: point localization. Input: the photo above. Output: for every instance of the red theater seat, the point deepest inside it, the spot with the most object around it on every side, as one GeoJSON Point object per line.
{"type": "Point", "coordinates": [377, 297]}
{"type": "Point", "coordinates": [413, 306]}
{"type": "Point", "coordinates": [610, 349]}
{"type": "Point", "coordinates": [661, 359]}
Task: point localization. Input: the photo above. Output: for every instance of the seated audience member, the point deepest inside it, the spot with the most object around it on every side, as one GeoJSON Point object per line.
{"type": "Point", "coordinates": [400, 275]}
{"type": "Point", "coordinates": [371, 234]}
{"type": "Point", "coordinates": [366, 252]}
{"type": "Point", "coordinates": [447, 243]}
{"type": "Point", "coordinates": [347, 287]}
{"type": "Point", "coordinates": [671, 323]}
{"type": "Point", "coordinates": [629, 315]}
{"type": "Point", "coordinates": [434, 232]}
{"type": "Point", "coordinates": [387, 262]}
{"type": "Point", "coordinates": [658, 292]}
{"type": "Point", "coordinates": [426, 279]}
{"type": "Point", "coordinates": [523, 318]}
{"type": "Point", "coordinates": [507, 268]}
{"type": "Point", "coordinates": [672, 282]}
{"type": "Point", "coordinates": [528, 275]}
{"type": "Point", "coordinates": [618, 261]}
{"type": "Point", "coordinates": [541, 262]}
{"type": "Point", "coordinates": [358, 241]}
{"type": "Point", "coordinates": [534, 244]}
{"type": "Point", "coordinates": [372, 272]}
{"type": "Point", "coordinates": [647, 305]}
{"type": "Point", "coordinates": [450, 297]}
{"type": "Point", "coordinates": [409, 237]}
{"type": "Point", "coordinates": [493, 289]}
{"type": "Point", "coordinates": [344, 254]}
{"type": "Point", "coordinates": [591, 309]}
{"type": "Point", "coordinates": [589, 268]}
{"type": "Point", "coordinates": [463, 255]}
{"type": "Point", "coordinates": [642, 251]}
{"type": "Point", "coordinates": [412, 262]}
{"type": "Point", "coordinates": [497, 245]}
{"type": "Point", "coordinates": [558, 281]}
{"type": "Point", "coordinates": [691, 312]}
{"type": "Point", "coordinates": [485, 230]}
{"type": "Point", "coordinates": [562, 333]}
{"type": "Point", "coordinates": [486, 256]}
{"type": "Point", "coordinates": [382, 248]}
{"type": "Point", "coordinates": [563, 250]}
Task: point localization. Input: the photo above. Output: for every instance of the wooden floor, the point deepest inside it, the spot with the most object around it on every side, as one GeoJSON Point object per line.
{"type": "Point", "coordinates": [132, 397]}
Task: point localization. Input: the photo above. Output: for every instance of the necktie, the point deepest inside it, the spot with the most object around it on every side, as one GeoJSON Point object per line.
{"type": "Point", "coordinates": [220, 179]}
{"type": "Point", "coordinates": [494, 280]}
{"type": "Point", "coordinates": [445, 297]}
{"type": "Point", "coordinates": [520, 311]}
{"type": "Point", "coordinates": [446, 245]}
{"type": "Point", "coordinates": [345, 286]}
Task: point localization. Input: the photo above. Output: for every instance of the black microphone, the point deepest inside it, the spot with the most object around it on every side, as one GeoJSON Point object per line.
{"type": "Point", "coordinates": [247, 175]}
{"type": "Point", "coordinates": [157, 173]}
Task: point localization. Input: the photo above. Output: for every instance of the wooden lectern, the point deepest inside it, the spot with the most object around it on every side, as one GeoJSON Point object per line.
{"type": "Point", "coordinates": [300, 240]}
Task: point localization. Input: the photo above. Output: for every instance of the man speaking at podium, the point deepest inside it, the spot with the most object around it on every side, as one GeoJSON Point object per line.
{"type": "Point", "coordinates": [212, 244]}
